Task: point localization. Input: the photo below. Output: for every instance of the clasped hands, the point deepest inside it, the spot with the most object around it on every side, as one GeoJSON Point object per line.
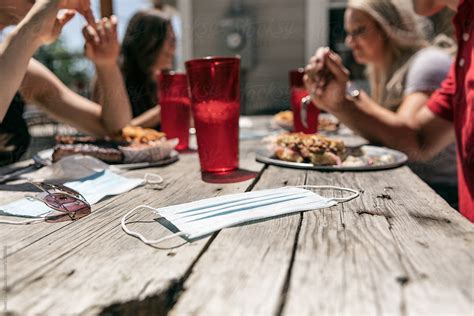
{"type": "Point", "coordinates": [101, 46]}
{"type": "Point", "coordinates": [326, 80]}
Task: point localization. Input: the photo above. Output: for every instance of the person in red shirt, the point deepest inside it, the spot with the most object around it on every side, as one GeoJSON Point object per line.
{"type": "Point", "coordinates": [449, 111]}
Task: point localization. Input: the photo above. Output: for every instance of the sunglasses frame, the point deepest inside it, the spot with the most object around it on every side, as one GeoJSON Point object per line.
{"type": "Point", "coordinates": [55, 191]}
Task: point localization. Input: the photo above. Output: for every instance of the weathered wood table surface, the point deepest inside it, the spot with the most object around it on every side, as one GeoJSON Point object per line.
{"type": "Point", "coordinates": [398, 249]}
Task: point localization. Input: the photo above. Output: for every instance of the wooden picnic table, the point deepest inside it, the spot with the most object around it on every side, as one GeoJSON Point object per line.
{"type": "Point", "coordinates": [398, 249]}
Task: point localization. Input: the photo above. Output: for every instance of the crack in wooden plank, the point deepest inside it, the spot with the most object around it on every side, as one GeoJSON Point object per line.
{"type": "Point", "coordinates": [162, 303]}
{"type": "Point", "coordinates": [286, 284]}
{"type": "Point", "coordinates": [257, 178]}
{"type": "Point", "coordinates": [59, 259]}
{"type": "Point", "coordinates": [421, 292]}
{"type": "Point", "coordinates": [388, 217]}
{"type": "Point", "coordinates": [109, 201]}
{"type": "Point", "coordinates": [344, 271]}
{"type": "Point", "coordinates": [147, 284]}
{"type": "Point", "coordinates": [68, 253]}
{"type": "Point", "coordinates": [103, 205]}
{"type": "Point", "coordinates": [159, 303]}
{"type": "Point", "coordinates": [371, 213]}
{"type": "Point", "coordinates": [373, 282]}
{"type": "Point", "coordinates": [404, 280]}
{"type": "Point", "coordinates": [423, 219]}
{"type": "Point", "coordinates": [161, 296]}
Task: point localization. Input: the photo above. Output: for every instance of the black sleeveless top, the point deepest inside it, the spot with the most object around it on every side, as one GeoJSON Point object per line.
{"type": "Point", "coordinates": [14, 135]}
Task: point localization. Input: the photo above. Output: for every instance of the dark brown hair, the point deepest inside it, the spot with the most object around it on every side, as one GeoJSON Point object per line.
{"type": "Point", "coordinates": [143, 41]}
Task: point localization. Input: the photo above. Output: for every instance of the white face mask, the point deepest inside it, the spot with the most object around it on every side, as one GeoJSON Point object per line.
{"type": "Point", "coordinates": [97, 181]}
{"type": "Point", "coordinates": [201, 218]}
{"type": "Point", "coordinates": [71, 168]}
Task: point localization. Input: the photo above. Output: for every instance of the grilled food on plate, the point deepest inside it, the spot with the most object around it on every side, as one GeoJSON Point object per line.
{"type": "Point", "coordinates": [314, 148]}
{"type": "Point", "coordinates": [326, 123]}
{"type": "Point", "coordinates": [135, 144]}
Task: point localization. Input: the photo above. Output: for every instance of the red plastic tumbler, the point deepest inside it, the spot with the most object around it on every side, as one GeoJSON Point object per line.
{"type": "Point", "coordinates": [298, 92]}
{"type": "Point", "coordinates": [214, 83]}
{"type": "Point", "coordinates": [175, 107]}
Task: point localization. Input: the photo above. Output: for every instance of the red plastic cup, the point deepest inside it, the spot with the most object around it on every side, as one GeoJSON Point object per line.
{"type": "Point", "coordinates": [214, 84]}
{"type": "Point", "coordinates": [175, 107]}
{"type": "Point", "coordinates": [298, 92]}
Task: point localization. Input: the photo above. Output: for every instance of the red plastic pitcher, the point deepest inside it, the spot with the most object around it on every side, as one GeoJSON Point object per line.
{"type": "Point", "coordinates": [304, 120]}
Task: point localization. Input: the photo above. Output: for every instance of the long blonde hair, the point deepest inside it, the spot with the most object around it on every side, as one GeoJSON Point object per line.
{"type": "Point", "coordinates": [404, 38]}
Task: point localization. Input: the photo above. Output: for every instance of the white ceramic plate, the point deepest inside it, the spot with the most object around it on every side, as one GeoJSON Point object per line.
{"type": "Point", "coordinates": [395, 159]}
{"type": "Point", "coordinates": [47, 156]}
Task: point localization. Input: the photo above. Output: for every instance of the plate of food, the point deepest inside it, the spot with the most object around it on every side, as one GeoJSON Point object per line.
{"type": "Point", "coordinates": [317, 152]}
{"type": "Point", "coordinates": [283, 120]}
{"type": "Point", "coordinates": [326, 123]}
{"type": "Point", "coordinates": [135, 148]}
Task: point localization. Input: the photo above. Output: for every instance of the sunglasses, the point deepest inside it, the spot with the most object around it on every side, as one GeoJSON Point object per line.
{"type": "Point", "coordinates": [358, 32]}
{"type": "Point", "coordinates": [69, 204]}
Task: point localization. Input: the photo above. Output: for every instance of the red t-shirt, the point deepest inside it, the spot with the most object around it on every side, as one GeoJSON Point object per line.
{"type": "Point", "coordinates": [454, 101]}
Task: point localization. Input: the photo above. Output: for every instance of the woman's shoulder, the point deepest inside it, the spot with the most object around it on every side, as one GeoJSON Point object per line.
{"type": "Point", "coordinates": [428, 68]}
{"type": "Point", "coordinates": [430, 55]}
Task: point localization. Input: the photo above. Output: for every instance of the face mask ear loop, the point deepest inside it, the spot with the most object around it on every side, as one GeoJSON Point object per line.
{"type": "Point", "coordinates": [330, 187]}
{"type": "Point", "coordinates": [140, 236]}
{"type": "Point", "coordinates": [33, 221]}
{"type": "Point", "coordinates": [153, 178]}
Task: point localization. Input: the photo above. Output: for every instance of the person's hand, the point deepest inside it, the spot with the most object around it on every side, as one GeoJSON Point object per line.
{"type": "Point", "coordinates": [83, 7]}
{"type": "Point", "coordinates": [50, 23]}
{"type": "Point", "coordinates": [326, 80]}
{"type": "Point", "coordinates": [50, 30]}
{"type": "Point", "coordinates": [105, 50]}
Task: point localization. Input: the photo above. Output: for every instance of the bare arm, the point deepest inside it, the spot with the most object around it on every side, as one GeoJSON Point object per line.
{"type": "Point", "coordinates": [43, 88]}
{"type": "Point", "coordinates": [421, 137]}
{"type": "Point", "coordinates": [412, 104]}
{"type": "Point", "coordinates": [110, 87]}
{"type": "Point", "coordinates": [40, 26]}
{"type": "Point", "coordinates": [116, 110]}
{"type": "Point", "coordinates": [149, 119]}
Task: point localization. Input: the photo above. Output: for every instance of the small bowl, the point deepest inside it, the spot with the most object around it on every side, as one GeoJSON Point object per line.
{"type": "Point", "coordinates": [151, 152]}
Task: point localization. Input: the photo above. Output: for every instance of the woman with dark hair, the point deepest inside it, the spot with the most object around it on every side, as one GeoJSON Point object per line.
{"type": "Point", "coordinates": [148, 48]}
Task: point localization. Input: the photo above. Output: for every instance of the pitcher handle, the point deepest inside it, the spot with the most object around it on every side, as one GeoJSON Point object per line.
{"type": "Point", "coordinates": [304, 111]}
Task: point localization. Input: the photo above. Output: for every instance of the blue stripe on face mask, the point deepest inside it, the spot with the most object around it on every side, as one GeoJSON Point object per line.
{"type": "Point", "coordinates": [256, 201]}
{"type": "Point", "coordinates": [250, 206]}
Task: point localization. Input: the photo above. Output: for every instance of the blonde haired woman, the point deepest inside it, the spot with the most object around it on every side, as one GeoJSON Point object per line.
{"type": "Point", "coordinates": [402, 70]}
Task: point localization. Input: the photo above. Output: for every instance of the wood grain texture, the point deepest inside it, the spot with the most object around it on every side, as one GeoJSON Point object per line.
{"type": "Point", "coordinates": [244, 270]}
{"type": "Point", "coordinates": [348, 259]}
{"type": "Point", "coordinates": [399, 249]}
{"type": "Point", "coordinates": [104, 270]}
